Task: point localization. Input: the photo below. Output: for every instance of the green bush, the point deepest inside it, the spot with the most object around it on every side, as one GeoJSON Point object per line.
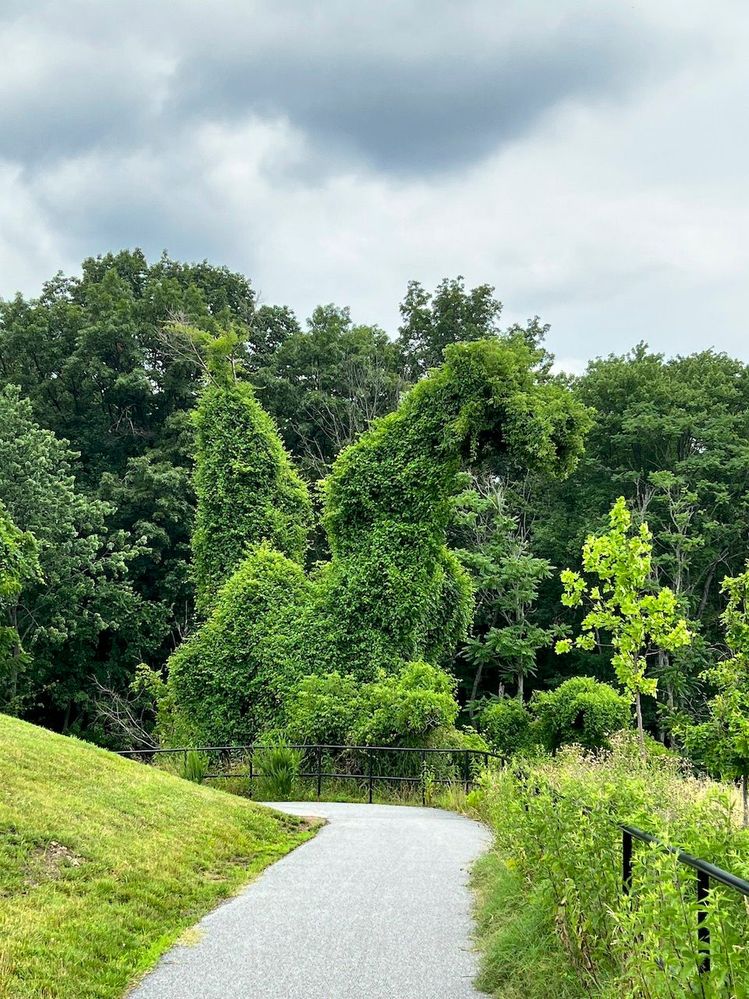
{"type": "Point", "coordinates": [230, 680]}
{"type": "Point", "coordinates": [581, 710]}
{"type": "Point", "coordinates": [393, 709]}
{"type": "Point", "coordinates": [323, 710]}
{"type": "Point", "coordinates": [507, 726]}
{"type": "Point", "coordinates": [278, 766]}
{"type": "Point", "coordinates": [556, 826]}
{"type": "Point", "coordinates": [194, 766]}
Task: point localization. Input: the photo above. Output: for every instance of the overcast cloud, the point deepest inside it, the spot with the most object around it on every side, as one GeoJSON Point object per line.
{"type": "Point", "coordinates": [588, 159]}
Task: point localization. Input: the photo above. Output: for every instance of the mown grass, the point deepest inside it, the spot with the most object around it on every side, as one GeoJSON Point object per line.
{"type": "Point", "coordinates": [105, 862]}
{"type": "Point", "coordinates": [521, 955]}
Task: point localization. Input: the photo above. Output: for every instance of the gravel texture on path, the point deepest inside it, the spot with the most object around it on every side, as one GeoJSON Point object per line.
{"type": "Point", "coordinates": [376, 906]}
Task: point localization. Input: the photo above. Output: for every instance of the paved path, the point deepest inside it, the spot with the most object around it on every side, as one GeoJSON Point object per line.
{"type": "Point", "coordinates": [374, 907]}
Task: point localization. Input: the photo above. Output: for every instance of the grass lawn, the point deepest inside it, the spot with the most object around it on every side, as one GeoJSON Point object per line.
{"type": "Point", "coordinates": [105, 862]}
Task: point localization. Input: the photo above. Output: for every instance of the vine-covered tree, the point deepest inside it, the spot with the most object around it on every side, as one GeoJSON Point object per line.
{"type": "Point", "coordinates": [392, 592]}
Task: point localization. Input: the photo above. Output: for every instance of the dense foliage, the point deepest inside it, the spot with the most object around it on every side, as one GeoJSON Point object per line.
{"type": "Point", "coordinates": [392, 593]}
{"type": "Point", "coordinates": [556, 828]}
{"type": "Point", "coordinates": [246, 488]}
{"type": "Point", "coordinates": [99, 391]}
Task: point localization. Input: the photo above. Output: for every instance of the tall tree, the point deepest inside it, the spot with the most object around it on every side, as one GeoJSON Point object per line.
{"type": "Point", "coordinates": [506, 634]}
{"type": "Point", "coordinates": [639, 617]}
{"type": "Point", "coordinates": [325, 386]}
{"type": "Point", "coordinates": [80, 619]}
{"type": "Point", "coordinates": [432, 320]}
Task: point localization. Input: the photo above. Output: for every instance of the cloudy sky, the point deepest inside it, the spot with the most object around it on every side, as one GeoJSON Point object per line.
{"type": "Point", "coordinates": [589, 159]}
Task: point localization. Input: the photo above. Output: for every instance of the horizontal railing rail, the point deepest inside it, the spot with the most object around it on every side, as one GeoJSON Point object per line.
{"type": "Point", "coordinates": [232, 755]}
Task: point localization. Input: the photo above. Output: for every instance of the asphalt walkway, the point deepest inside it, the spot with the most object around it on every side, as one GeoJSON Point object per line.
{"type": "Point", "coordinates": [376, 906]}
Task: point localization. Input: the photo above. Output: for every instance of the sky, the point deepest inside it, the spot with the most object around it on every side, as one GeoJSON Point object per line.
{"type": "Point", "coordinates": [588, 159]}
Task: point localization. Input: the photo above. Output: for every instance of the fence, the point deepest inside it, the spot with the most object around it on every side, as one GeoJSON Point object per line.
{"type": "Point", "coordinates": [366, 765]}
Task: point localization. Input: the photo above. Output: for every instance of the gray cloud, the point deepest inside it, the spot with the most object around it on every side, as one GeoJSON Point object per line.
{"type": "Point", "coordinates": [419, 87]}
{"type": "Point", "coordinates": [583, 157]}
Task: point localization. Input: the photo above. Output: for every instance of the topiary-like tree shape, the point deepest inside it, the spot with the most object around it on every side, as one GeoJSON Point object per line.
{"type": "Point", "coordinates": [392, 593]}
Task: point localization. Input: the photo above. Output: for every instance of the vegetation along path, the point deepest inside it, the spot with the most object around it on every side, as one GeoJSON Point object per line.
{"type": "Point", "coordinates": [376, 905]}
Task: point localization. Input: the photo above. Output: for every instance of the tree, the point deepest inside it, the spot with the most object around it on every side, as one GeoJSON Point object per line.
{"type": "Point", "coordinates": [723, 741]}
{"type": "Point", "coordinates": [431, 321]}
{"type": "Point", "coordinates": [248, 491]}
{"type": "Point", "coordinates": [80, 618]}
{"type": "Point", "coordinates": [672, 436]}
{"type": "Point", "coordinates": [91, 357]}
{"type": "Point", "coordinates": [326, 385]}
{"type": "Point", "coordinates": [19, 565]}
{"type": "Point", "coordinates": [506, 636]}
{"type": "Point", "coordinates": [639, 616]}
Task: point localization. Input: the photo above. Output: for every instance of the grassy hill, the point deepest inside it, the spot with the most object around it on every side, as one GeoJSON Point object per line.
{"type": "Point", "coordinates": [104, 862]}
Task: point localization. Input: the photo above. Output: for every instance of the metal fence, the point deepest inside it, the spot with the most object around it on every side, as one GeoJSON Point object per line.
{"type": "Point", "coordinates": [366, 765]}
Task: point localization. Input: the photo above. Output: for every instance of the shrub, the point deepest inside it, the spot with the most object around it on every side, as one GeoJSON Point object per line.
{"type": "Point", "coordinates": [581, 710]}
{"type": "Point", "coordinates": [507, 726]}
{"type": "Point", "coordinates": [230, 680]}
{"type": "Point", "coordinates": [194, 766]}
{"type": "Point", "coordinates": [279, 766]}
{"type": "Point", "coordinates": [405, 708]}
{"type": "Point", "coordinates": [323, 710]}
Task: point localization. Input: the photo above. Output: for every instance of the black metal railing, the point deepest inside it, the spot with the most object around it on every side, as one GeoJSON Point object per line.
{"type": "Point", "coordinates": [366, 765]}
{"type": "Point", "coordinates": [704, 869]}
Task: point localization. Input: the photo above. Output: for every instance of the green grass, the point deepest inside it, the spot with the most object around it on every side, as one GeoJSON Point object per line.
{"type": "Point", "coordinates": [521, 955]}
{"type": "Point", "coordinates": [105, 862]}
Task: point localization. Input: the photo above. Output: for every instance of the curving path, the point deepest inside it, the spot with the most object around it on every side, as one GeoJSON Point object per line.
{"type": "Point", "coordinates": [376, 906]}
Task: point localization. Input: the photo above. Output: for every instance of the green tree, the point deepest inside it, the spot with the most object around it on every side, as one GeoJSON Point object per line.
{"type": "Point", "coordinates": [81, 619]}
{"type": "Point", "coordinates": [432, 320]}
{"type": "Point", "coordinates": [672, 436]}
{"type": "Point", "coordinates": [248, 491]}
{"type": "Point", "coordinates": [624, 603]}
{"type": "Point", "coordinates": [507, 576]}
{"type": "Point", "coordinates": [324, 386]}
{"type": "Point", "coordinates": [19, 565]}
{"type": "Point", "coordinates": [723, 741]}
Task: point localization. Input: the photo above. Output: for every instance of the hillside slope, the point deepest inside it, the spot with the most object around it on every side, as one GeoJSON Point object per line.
{"type": "Point", "coordinates": [104, 862]}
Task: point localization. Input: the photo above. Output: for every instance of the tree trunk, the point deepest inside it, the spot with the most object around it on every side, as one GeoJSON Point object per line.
{"type": "Point", "coordinates": [640, 729]}
{"type": "Point", "coordinates": [475, 690]}
{"type": "Point", "coordinates": [521, 687]}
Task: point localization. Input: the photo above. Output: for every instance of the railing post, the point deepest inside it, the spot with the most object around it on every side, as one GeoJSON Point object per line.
{"type": "Point", "coordinates": [423, 777]}
{"type": "Point", "coordinates": [369, 770]}
{"type": "Point", "coordinates": [252, 775]}
{"type": "Point", "coordinates": [466, 768]}
{"type": "Point", "coordinates": [703, 930]}
{"type": "Point", "coordinates": [626, 861]}
{"type": "Point", "coordinates": [319, 772]}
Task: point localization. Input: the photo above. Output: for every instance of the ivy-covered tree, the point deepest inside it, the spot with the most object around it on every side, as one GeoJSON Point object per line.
{"type": "Point", "coordinates": [392, 592]}
{"type": "Point", "coordinates": [624, 603]}
{"type": "Point", "coordinates": [247, 489]}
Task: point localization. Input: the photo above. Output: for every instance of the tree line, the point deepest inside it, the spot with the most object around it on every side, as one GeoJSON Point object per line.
{"type": "Point", "coordinates": [98, 500]}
